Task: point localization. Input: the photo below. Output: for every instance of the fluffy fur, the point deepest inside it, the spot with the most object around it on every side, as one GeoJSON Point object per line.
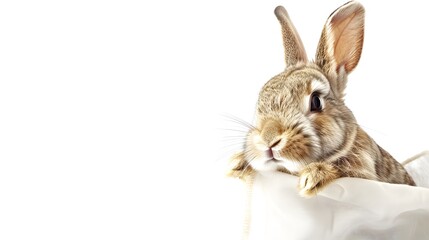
{"type": "Point", "coordinates": [317, 146]}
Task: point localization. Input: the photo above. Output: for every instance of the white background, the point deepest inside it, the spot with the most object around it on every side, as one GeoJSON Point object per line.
{"type": "Point", "coordinates": [111, 111]}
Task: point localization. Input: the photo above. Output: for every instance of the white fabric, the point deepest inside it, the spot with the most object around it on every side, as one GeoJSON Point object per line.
{"type": "Point", "coordinates": [419, 170]}
{"type": "Point", "coordinates": [349, 208]}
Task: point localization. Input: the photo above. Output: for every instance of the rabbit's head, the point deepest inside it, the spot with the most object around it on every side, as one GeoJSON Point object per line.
{"type": "Point", "coordinates": [301, 116]}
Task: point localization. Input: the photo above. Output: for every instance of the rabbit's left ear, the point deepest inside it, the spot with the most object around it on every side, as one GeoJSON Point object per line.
{"type": "Point", "coordinates": [340, 45]}
{"type": "Point", "coordinates": [294, 49]}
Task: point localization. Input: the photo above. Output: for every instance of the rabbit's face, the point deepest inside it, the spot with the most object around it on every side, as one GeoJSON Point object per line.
{"type": "Point", "coordinates": [298, 121]}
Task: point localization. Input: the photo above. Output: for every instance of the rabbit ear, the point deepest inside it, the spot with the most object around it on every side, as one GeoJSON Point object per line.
{"type": "Point", "coordinates": [340, 45]}
{"type": "Point", "coordinates": [294, 49]}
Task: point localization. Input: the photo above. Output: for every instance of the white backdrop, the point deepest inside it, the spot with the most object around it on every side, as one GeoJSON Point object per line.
{"type": "Point", "coordinates": [111, 111]}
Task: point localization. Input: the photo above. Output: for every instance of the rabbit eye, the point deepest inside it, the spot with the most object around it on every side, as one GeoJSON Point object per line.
{"type": "Point", "coordinates": [316, 103]}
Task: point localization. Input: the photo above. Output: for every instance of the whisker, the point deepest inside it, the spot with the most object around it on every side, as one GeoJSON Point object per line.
{"type": "Point", "coordinates": [231, 148]}
{"type": "Point", "coordinates": [233, 143]}
{"type": "Point", "coordinates": [226, 154]}
{"type": "Point", "coordinates": [233, 130]}
{"type": "Point", "coordinates": [234, 137]}
{"type": "Point", "coordinates": [240, 139]}
{"type": "Point", "coordinates": [228, 141]}
{"type": "Point", "coordinates": [237, 146]}
{"type": "Point", "coordinates": [238, 121]}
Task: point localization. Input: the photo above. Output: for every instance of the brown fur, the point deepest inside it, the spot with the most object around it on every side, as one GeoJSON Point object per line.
{"type": "Point", "coordinates": [320, 146]}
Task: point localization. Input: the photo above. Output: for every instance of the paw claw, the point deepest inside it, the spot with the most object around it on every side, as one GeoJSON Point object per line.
{"type": "Point", "coordinates": [315, 177]}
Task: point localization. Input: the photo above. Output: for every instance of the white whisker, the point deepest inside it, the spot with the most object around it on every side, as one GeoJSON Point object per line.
{"type": "Point", "coordinates": [233, 130]}
{"type": "Point", "coordinates": [239, 121]}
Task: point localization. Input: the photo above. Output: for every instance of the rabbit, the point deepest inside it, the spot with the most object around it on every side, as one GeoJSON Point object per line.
{"type": "Point", "coordinates": [302, 124]}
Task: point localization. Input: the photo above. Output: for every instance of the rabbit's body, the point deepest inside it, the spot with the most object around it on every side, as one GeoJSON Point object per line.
{"type": "Point", "coordinates": [303, 126]}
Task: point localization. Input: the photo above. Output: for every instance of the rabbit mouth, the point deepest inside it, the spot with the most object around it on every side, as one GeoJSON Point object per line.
{"type": "Point", "coordinates": [273, 160]}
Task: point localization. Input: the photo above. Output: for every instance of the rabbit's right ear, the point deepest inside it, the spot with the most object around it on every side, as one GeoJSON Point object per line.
{"type": "Point", "coordinates": [294, 49]}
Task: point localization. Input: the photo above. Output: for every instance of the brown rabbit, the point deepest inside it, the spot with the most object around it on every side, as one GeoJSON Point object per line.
{"type": "Point", "coordinates": [303, 126]}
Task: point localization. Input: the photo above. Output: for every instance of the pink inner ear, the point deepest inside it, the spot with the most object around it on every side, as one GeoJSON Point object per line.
{"type": "Point", "coordinates": [347, 29]}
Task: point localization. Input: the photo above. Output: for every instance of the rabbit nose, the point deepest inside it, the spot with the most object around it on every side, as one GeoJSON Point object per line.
{"type": "Point", "coordinates": [275, 143]}
{"type": "Point", "coordinates": [271, 133]}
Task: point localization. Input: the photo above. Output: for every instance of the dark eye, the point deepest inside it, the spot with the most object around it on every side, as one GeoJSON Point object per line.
{"type": "Point", "coordinates": [315, 104]}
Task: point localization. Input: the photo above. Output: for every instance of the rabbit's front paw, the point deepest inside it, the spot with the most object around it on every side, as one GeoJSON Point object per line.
{"type": "Point", "coordinates": [238, 167]}
{"type": "Point", "coordinates": [315, 176]}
